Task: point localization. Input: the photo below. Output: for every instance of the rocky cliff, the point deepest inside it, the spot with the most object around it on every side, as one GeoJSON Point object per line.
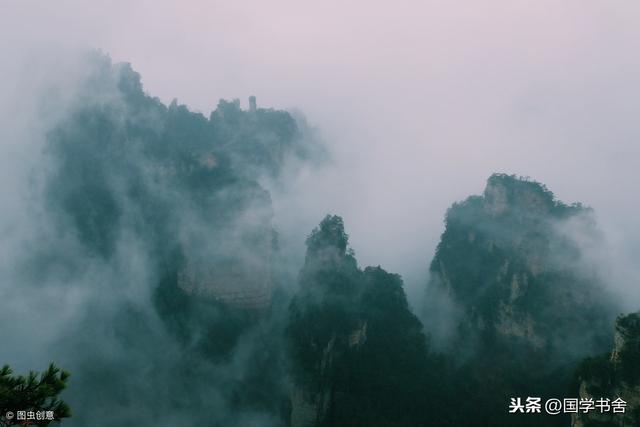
{"type": "Point", "coordinates": [511, 262]}
{"type": "Point", "coordinates": [523, 300]}
{"type": "Point", "coordinates": [613, 376]}
{"type": "Point", "coordinates": [175, 202]}
{"type": "Point", "coordinates": [185, 187]}
{"type": "Point", "coordinates": [359, 356]}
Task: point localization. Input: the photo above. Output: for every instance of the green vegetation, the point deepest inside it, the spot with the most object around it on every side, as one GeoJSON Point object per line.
{"type": "Point", "coordinates": [528, 313]}
{"type": "Point", "coordinates": [35, 392]}
{"type": "Point", "coordinates": [179, 192]}
{"type": "Point", "coordinates": [353, 337]}
{"type": "Point", "coordinates": [629, 357]}
{"type": "Point", "coordinates": [616, 374]}
{"type": "Point", "coordinates": [181, 195]}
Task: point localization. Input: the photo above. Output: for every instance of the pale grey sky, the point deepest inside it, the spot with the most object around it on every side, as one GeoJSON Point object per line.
{"type": "Point", "coordinates": [420, 100]}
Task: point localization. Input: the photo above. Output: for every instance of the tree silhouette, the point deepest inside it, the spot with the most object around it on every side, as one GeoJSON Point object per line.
{"type": "Point", "coordinates": [36, 394]}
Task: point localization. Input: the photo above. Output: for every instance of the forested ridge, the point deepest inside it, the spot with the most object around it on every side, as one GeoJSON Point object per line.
{"type": "Point", "coordinates": [198, 319]}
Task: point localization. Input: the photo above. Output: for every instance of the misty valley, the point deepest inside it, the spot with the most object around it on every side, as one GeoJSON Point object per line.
{"type": "Point", "coordinates": [180, 304]}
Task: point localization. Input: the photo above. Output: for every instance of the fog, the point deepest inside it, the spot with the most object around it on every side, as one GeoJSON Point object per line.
{"type": "Point", "coordinates": [417, 102]}
{"type": "Point", "coordinates": [420, 101]}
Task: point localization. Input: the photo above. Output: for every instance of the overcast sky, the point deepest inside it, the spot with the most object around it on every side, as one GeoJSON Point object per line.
{"type": "Point", "coordinates": [420, 100]}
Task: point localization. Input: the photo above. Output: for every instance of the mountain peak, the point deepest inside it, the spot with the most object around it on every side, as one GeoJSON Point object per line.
{"type": "Point", "coordinates": [329, 234]}
{"type": "Point", "coordinates": [505, 192]}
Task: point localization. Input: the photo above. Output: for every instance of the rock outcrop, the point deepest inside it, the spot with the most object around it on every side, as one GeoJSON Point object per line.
{"type": "Point", "coordinates": [242, 285]}
{"type": "Point", "coordinates": [522, 305]}
{"type": "Point", "coordinates": [613, 376]}
{"type": "Point", "coordinates": [239, 272]}
{"type": "Point", "coordinates": [169, 208]}
{"type": "Point", "coordinates": [359, 356]}
{"type": "Point", "coordinates": [508, 263]}
{"type": "Point", "coordinates": [185, 187]}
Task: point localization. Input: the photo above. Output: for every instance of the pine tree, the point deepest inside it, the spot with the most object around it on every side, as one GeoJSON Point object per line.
{"type": "Point", "coordinates": [36, 393]}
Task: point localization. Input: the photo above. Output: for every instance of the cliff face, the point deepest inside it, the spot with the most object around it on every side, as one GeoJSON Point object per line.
{"type": "Point", "coordinates": [527, 305]}
{"type": "Point", "coordinates": [183, 186]}
{"type": "Point", "coordinates": [244, 284]}
{"type": "Point", "coordinates": [233, 264]}
{"type": "Point", "coordinates": [167, 210]}
{"type": "Point", "coordinates": [613, 376]}
{"type": "Point", "coordinates": [174, 201]}
{"type": "Point", "coordinates": [507, 261]}
{"type": "Point", "coordinates": [358, 354]}
{"type": "Point", "coordinates": [310, 406]}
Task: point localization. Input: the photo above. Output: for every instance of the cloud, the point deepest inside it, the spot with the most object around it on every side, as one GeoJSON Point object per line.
{"type": "Point", "coordinates": [421, 101]}
{"type": "Point", "coordinates": [419, 104]}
